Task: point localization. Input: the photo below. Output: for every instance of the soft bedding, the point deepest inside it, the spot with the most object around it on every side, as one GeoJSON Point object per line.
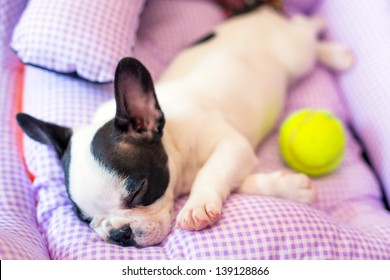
{"type": "Point", "coordinates": [20, 237]}
{"type": "Point", "coordinates": [366, 88]}
{"type": "Point", "coordinates": [83, 38]}
{"type": "Point", "coordinates": [347, 221]}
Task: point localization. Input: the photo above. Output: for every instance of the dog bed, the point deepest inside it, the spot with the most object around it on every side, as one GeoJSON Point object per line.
{"type": "Point", "coordinates": [348, 220]}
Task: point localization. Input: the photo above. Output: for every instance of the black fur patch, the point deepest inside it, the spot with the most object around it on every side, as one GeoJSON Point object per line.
{"type": "Point", "coordinates": [50, 134]}
{"type": "Point", "coordinates": [143, 165]}
{"type": "Point", "coordinates": [205, 39]}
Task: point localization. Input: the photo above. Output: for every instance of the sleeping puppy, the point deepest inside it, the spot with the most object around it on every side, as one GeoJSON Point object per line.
{"type": "Point", "coordinates": [195, 132]}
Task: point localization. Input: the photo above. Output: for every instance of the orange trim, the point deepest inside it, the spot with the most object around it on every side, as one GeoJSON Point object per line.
{"type": "Point", "coordinates": [19, 108]}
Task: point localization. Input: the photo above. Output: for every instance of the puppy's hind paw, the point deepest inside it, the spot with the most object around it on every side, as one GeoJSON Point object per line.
{"type": "Point", "coordinates": [292, 186]}
{"type": "Point", "coordinates": [335, 56]}
{"type": "Point", "coordinates": [198, 217]}
{"type": "Point", "coordinates": [295, 186]}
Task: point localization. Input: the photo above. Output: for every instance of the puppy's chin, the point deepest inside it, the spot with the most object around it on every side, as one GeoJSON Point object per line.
{"type": "Point", "coordinates": [145, 228]}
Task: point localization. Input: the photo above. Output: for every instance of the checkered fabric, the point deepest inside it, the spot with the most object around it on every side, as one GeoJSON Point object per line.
{"type": "Point", "coordinates": [366, 28]}
{"type": "Point", "coordinates": [169, 25]}
{"type": "Point", "coordinates": [348, 220]}
{"type": "Point", "coordinates": [82, 37]}
{"type": "Point", "coordinates": [301, 6]}
{"type": "Point", "coordinates": [20, 237]}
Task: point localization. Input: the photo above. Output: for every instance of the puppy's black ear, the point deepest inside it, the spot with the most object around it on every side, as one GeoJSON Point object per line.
{"type": "Point", "coordinates": [137, 110]}
{"type": "Point", "coordinates": [46, 133]}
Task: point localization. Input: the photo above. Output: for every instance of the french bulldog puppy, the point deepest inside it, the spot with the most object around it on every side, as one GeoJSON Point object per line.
{"type": "Point", "coordinates": [194, 133]}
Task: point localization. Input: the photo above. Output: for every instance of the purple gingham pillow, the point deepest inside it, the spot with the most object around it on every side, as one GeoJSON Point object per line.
{"type": "Point", "coordinates": [366, 28]}
{"type": "Point", "coordinates": [303, 6]}
{"type": "Point", "coordinates": [83, 38]}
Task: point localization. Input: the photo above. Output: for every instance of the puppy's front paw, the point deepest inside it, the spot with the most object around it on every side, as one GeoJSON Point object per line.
{"type": "Point", "coordinates": [198, 216]}
{"type": "Point", "coordinates": [295, 186]}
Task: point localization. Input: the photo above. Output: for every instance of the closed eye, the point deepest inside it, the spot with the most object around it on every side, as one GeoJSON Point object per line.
{"type": "Point", "coordinates": [136, 197]}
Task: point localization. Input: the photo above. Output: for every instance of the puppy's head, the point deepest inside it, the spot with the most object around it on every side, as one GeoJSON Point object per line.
{"type": "Point", "coordinates": [116, 173]}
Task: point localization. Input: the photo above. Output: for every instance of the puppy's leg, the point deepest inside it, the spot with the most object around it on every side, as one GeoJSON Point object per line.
{"type": "Point", "coordinates": [230, 163]}
{"type": "Point", "coordinates": [334, 55]}
{"type": "Point", "coordinates": [293, 186]}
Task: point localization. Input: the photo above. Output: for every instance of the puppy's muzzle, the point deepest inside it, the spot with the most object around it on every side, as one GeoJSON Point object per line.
{"type": "Point", "coordinates": [123, 236]}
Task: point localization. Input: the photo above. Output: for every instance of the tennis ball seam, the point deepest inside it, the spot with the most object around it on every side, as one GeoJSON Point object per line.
{"type": "Point", "coordinates": [298, 160]}
{"type": "Point", "coordinates": [292, 159]}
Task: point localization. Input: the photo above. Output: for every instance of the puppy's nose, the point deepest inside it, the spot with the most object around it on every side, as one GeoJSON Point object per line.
{"type": "Point", "coordinates": [122, 236]}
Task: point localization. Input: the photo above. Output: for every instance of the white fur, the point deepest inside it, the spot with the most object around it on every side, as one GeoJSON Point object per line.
{"type": "Point", "coordinates": [220, 99]}
{"type": "Point", "coordinates": [90, 184]}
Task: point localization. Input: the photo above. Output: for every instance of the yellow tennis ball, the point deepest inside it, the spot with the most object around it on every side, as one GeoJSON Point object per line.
{"type": "Point", "coordinates": [312, 141]}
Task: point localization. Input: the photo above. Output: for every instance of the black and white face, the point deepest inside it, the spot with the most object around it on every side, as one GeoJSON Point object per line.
{"type": "Point", "coordinates": [117, 172]}
{"type": "Point", "coordinates": [118, 185]}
